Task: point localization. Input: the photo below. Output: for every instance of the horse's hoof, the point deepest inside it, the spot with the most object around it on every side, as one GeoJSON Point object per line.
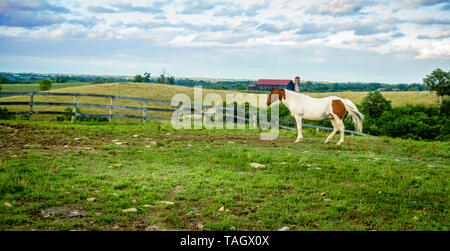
{"type": "Point", "coordinates": [298, 140]}
{"type": "Point", "coordinates": [339, 143]}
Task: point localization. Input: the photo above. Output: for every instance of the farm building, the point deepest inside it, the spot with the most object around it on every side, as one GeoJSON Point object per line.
{"type": "Point", "coordinates": [267, 84]}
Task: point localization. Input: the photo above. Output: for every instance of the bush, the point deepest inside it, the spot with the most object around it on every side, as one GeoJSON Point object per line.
{"type": "Point", "coordinates": [374, 104]}
{"type": "Point", "coordinates": [6, 115]}
{"type": "Point", "coordinates": [3, 80]}
{"type": "Point", "coordinates": [79, 118]}
{"type": "Point", "coordinates": [45, 85]}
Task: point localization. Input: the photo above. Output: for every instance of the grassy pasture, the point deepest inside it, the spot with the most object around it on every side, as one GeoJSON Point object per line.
{"type": "Point", "coordinates": [397, 98]}
{"type": "Point", "coordinates": [62, 176]}
{"type": "Point", "coordinates": [35, 87]}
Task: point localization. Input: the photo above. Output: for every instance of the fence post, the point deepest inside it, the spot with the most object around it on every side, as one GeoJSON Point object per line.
{"type": "Point", "coordinates": [31, 105]}
{"type": "Point", "coordinates": [74, 109]}
{"type": "Point", "coordinates": [145, 112]}
{"type": "Point", "coordinates": [111, 109]}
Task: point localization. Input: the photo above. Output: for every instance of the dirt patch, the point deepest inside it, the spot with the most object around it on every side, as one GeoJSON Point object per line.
{"type": "Point", "coordinates": [22, 136]}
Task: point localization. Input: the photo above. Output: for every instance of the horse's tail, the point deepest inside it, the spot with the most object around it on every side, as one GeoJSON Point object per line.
{"type": "Point", "coordinates": [358, 118]}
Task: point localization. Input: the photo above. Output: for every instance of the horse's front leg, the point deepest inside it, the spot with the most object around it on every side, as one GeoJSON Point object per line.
{"type": "Point", "coordinates": [298, 119]}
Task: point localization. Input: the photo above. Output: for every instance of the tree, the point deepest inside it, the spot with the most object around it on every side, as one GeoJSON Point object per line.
{"type": "Point", "coordinates": [3, 80]}
{"type": "Point", "coordinates": [162, 79]}
{"type": "Point", "coordinates": [60, 79]}
{"type": "Point", "coordinates": [438, 81]}
{"type": "Point", "coordinates": [374, 104]}
{"type": "Point", "coordinates": [45, 85]}
{"type": "Point", "coordinates": [138, 78]}
{"type": "Point", "coordinates": [146, 78]}
{"type": "Point", "coordinates": [171, 80]}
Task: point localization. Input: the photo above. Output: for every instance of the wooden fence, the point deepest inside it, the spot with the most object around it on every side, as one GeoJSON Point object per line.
{"type": "Point", "coordinates": [143, 108]}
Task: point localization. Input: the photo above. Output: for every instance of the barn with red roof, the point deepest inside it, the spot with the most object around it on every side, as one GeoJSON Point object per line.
{"type": "Point", "coordinates": [268, 84]}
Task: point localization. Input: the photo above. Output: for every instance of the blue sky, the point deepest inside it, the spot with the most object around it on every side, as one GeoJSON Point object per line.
{"type": "Point", "coordinates": [334, 40]}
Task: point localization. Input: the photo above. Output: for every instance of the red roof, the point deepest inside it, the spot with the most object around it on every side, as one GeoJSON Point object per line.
{"type": "Point", "coordinates": [273, 82]}
{"type": "Point", "coordinates": [252, 86]}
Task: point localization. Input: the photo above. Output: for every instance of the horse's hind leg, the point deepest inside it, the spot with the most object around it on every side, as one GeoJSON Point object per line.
{"type": "Point", "coordinates": [336, 128]}
{"type": "Point", "coordinates": [298, 119]}
{"type": "Point", "coordinates": [342, 129]}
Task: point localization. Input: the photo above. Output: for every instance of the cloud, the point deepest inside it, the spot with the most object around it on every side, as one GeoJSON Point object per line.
{"type": "Point", "coordinates": [88, 22]}
{"type": "Point", "coordinates": [337, 7]}
{"type": "Point", "coordinates": [31, 13]}
{"type": "Point", "coordinates": [197, 7]}
{"type": "Point", "coordinates": [156, 7]}
{"type": "Point", "coordinates": [419, 3]}
{"type": "Point", "coordinates": [230, 11]}
{"type": "Point", "coordinates": [435, 35]}
{"type": "Point", "coordinates": [234, 10]}
{"type": "Point", "coordinates": [99, 9]}
{"type": "Point", "coordinates": [128, 7]}
{"type": "Point", "coordinates": [8, 6]}
{"type": "Point", "coordinates": [269, 28]}
{"type": "Point", "coordinates": [373, 28]}
{"type": "Point", "coordinates": [29, 19]}
{"type": "Point", "coordinates": [430, 21]}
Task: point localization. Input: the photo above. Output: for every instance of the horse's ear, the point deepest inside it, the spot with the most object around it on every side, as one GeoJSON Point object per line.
{"type": "Point", "coordinates": [272, 89]}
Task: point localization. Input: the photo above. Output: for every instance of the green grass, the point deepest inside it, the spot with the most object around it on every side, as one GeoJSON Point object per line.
{"type": "Point", "coordinates": [48, 170]}
{"type": "Point", "coordinates": [35, 87]}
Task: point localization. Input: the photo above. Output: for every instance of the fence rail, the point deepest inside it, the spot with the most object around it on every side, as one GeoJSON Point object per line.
{"type": "Point", "coordinates": [144, 109]}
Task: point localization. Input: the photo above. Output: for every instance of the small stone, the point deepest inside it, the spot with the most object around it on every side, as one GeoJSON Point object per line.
{"type": "Point", "coordinates": [8, 204]}
{"type": "Point", "coordinates": [129, 210]}
{"type": "Point", "coordinates": [135, 135]}
{"type": "Point", "coordinates": [148, 205]}
{"type": "Point", "coordinates": [153, 227]}
{"type": "Point", "coordinates": [162, 202]}
{"type": "Point", "coordinates": [118, 143]}
{"type": "Point", "coordinates": [323, 194]}
{"type": "Point", "coordinates": [133, 201]}
{"type": "Point", "coordinates": [76, 139]}
{"type": "Point", "coordinates": [14, 156]}
{"type": "Point", "coordinates": [327, 200]}
{"type": "Point", "coordinates": [90, 199]}
{"type": "Point", "coordinates": [200, 226]}
{"type": "Point", "coordinates": [73, 214]}
{"type": "Point", "coordinates": [178, 189]}
{"type": "Point", "coordinates": [286, 228]}
{"type": "Point", "coordinates": [256, 165]}
{"type": "Point", "coordinates": [221, 209]}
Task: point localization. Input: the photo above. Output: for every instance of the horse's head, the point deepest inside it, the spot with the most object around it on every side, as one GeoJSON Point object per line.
{"type": "Point", "coordinates": [274, 95]}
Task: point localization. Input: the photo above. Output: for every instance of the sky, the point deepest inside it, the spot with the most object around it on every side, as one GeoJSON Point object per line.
{"type": "Point", "coordinates": [323, 40]}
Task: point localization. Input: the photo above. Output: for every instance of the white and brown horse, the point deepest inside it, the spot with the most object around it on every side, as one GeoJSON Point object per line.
{"type": "Point", "coordinates": [303, 106]}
